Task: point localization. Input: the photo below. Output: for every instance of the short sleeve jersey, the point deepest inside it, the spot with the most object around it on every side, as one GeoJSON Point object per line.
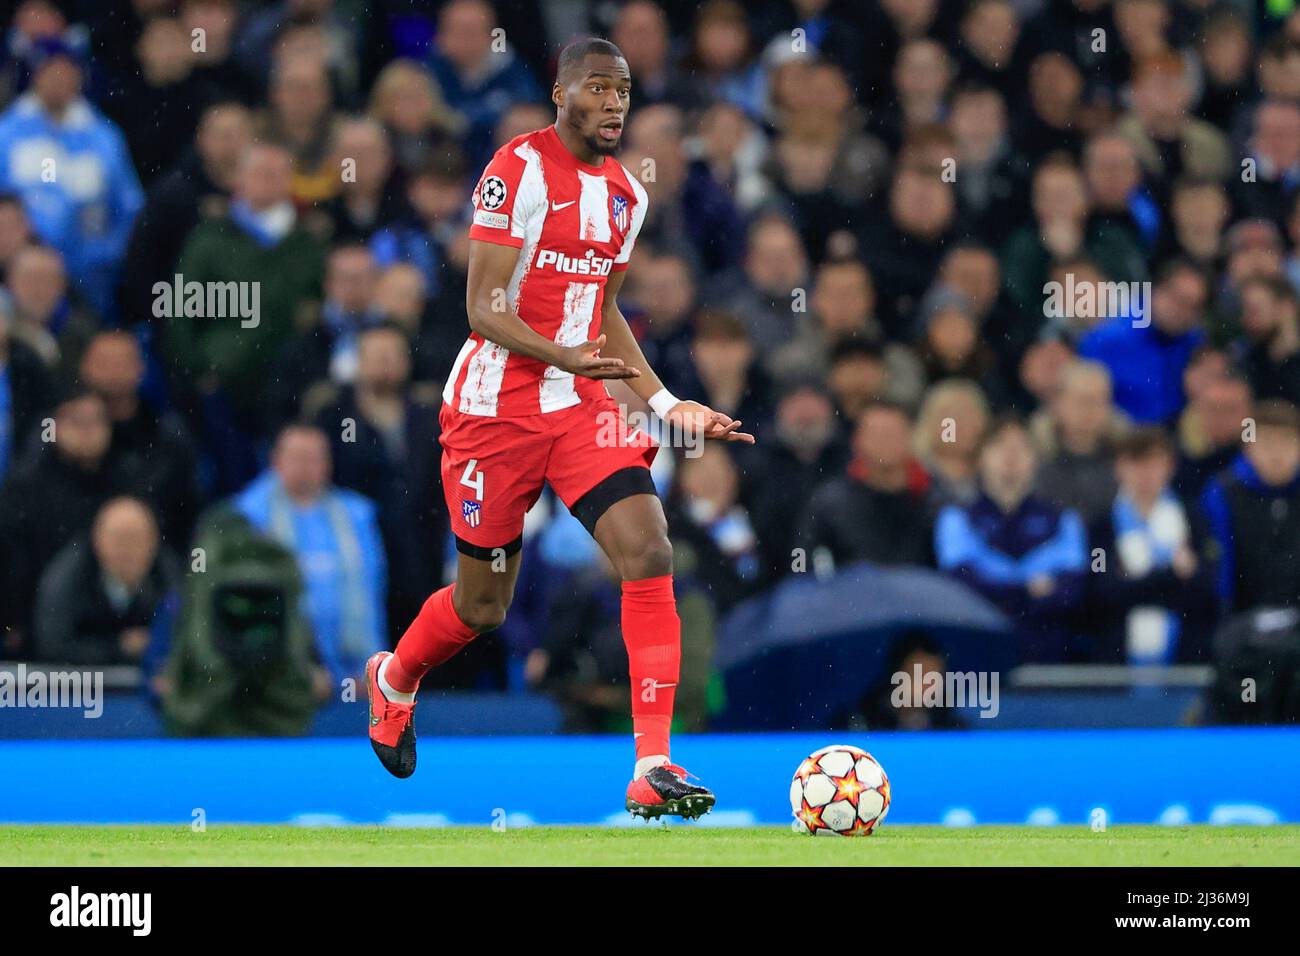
{"type": "Point", "coordinates": [574, 224]}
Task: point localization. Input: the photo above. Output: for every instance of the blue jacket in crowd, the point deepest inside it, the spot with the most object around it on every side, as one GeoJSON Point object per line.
{"type": "Point", "coordinates": [340, 553]}
{"type": "Point", "coordinates": [84, 202]}
{"type": "Point", "coordinates": [999, 553]}
{"type": "Point", "coordinates": [1146, 366]}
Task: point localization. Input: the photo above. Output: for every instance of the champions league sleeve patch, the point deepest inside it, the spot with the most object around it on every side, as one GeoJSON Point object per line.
{"type": "Point", "coordinates": [492, 193]}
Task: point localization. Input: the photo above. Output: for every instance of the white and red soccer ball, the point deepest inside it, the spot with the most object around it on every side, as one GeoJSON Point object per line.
{"type": "Point", "coordinates": [839, 791]}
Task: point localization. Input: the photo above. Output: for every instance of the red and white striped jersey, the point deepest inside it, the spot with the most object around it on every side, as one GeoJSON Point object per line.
{"type": "Point", "coordinates": [574, 224]}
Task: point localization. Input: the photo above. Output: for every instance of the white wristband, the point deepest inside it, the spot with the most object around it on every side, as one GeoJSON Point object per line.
{"type": "Point", "coordinates": [662, 401]}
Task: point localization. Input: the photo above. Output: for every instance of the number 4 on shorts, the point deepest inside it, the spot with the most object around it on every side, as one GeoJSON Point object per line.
{"type": "Point", "coordinates": [473, 479]}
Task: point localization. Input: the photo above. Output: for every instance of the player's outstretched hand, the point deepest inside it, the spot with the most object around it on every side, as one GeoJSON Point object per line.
{"type": "Point", "coordinates": [586, 360]}
{"type": "Point", "coordinates": [695, 418]}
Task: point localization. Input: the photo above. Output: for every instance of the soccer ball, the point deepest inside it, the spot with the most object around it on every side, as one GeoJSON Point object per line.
{"type": "Point", "coordinates": [839, 791]}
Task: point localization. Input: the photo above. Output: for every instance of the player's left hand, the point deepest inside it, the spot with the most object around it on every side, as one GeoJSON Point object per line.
{"type": "Point", "coordinates": [697, 418]}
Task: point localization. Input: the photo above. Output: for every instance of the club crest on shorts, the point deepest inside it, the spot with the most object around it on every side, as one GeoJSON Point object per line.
{"type": "Point", "coordinates": [472, 512]}
{"type": "Point", "coordinates": [618, 207]}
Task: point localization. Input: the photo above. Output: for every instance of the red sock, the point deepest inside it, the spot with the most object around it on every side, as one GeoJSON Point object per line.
{"type": "Point", "coordinates": [433, 638]}
{"type": "Point", "coordinates": [652, 632]}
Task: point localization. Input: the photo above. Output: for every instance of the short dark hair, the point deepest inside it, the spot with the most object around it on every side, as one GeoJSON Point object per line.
{"type": "Point", "coordinates": [885, 405]}
{"type": "Point", "coordinates": [1007, 421]}
{"type": "Point", "coordinates": [715, 324]}
{"type": "Point", "coordinates": [572, 56]}
{"type": "Point", "coordinates": [855, 347]}
{"type": "Point", "coordinates": [1144, 442]}
{"type": "Point", "coordinates": [1277, 413]}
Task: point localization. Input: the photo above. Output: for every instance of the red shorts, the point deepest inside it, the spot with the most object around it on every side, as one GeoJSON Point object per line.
{"type": "Point", "coordinates": [493, 468]}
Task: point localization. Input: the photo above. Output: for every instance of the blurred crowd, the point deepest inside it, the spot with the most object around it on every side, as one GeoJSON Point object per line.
{"type": "Point", "coordinates": [889, 236]}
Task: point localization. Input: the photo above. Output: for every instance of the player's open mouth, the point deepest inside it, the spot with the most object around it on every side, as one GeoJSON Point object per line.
{"type": "Point", "coordinates": [612, 132]}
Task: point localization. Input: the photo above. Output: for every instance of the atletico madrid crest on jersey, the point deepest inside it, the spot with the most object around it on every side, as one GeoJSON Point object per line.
{"type": "Point", "coordinates": [621, 218]}
{"type": "Point", "coordinates": [472, 512]}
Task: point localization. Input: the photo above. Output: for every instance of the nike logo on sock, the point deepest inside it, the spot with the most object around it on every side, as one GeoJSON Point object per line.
{"type": "Point", "coordinates": [557, 206]}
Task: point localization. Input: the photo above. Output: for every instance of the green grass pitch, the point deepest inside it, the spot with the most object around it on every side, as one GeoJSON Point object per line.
{"type": "Point", "coordinates": [646, 845]}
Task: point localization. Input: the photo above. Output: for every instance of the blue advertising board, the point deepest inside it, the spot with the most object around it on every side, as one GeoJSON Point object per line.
{"type": "Point", "coordinates": [1036, 776]}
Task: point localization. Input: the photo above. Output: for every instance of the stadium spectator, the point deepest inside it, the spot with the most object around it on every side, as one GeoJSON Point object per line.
{"type": "Point", "coordinates": [419, 123]}
{"type": "Point", "coordinates": [73, 170]}
{"type": "Point", "coordinates": [991, 187]}
{"type": "Point", "coordinates": [734, 152]}
{"type": "Point", "coordinates": [435, 210]}
{"type": "Point", "coordinates": [45, 318]}
{"type": "Point", "coordinates": [724, 361]}
{"type": "Point", "coordinates": [300, 116]}
{"type": "Point", "coordinates": [97, 601]}
{"type": "Point", "coordinates": [158, 444]}
{"type": "Point", "coordinates": [334, 534]}
{"type": "Point", "coordinates": [384, 445]}
{"type": "Point", "coordinates": [161, 92]}
{"type": "Point", "coordinates": [770, 286]}
{"type": "Point", "coordinates": [690, 212]}
{"type": "Point", "coordinates": [15, 229]}
{"type": "Point", "coordinates": [858, 375]}
{"type": "Point", "coordinates": [1074, 435]}
{"type": "Point", "coordinates": [641, 31]}
{"type": "Point", "coordinates": [921, 74]}
{"type": "Point", "coordinates": [52, 495]}
{"type": "Point", "coordinates": [842, 307]}
{"type": "Point", "coordinates": [256, 248]}
{"type": "Point", "coordinates": [1063, 227]}
{"type": "Point", "coordinates": [1267, 187]}
{"type": "Point", "coordinates": [479, 73]}
{"type": "Point", "coordinates": [802, 448]}
{"type": "Point", "coordinates": [905, 248]}
{"type": "Point", "coordinates": [1054, 105]}
{"type": "Point", "coordinates": [582, 658]}
{"type": "Point", "coordinates": [26, 389]}
{"type": "Point", "coordinates": [1170, 142]}
{"type": "Point", "coordinates": [663, 289]}
{"type": "Point", "coordinates": [1199, 212]}
{"type": "Point", "coordinates": [1253, 509]}
{"type": "Point", "coordinates": [878, 510]}
{"type": "Point", "coordinates": [1268, 352]}
{"type": "Point", "coordinates": [1210, 431]}
{"type": "Point", "coordinates": [912, 654]}
{"type": "Point", "coordinates": [722, 57]}
{"type": "Point", "coordinates": [822, 159]}
{"type": "Point", "coordinates": [1226, 47]}
{"type": "Point", "coordinates": [217, 69]}
{"type": "Point", "coordinates": [1026, 556]}
{"type": "Point", "coordinates": [1073, 323]}
{"type": "Point", "coordinates": [707, 518]}
{"type": "Point", "coordinates": [951, 344]}
{"type": "Point", "coordinates": [313, 25]}
{"type": "Point", "coordinates": [200, 185]}
{"type": "Point", "coordinates": [949, 429]}
{"type": "Point", "coordinates": [1118, 198]}
{"type": "Point", "coordinates": [371, 195]}
{"type": "Point", "coordinates": [1151, 600]}
{"type": "Point", "coordinates": [993, 48]}
{"type": "Point", "coordinates": [1147, 356]}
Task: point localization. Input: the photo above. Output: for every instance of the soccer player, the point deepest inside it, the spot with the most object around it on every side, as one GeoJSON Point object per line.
{"type": "Point", "coordinates": [555, 220]}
